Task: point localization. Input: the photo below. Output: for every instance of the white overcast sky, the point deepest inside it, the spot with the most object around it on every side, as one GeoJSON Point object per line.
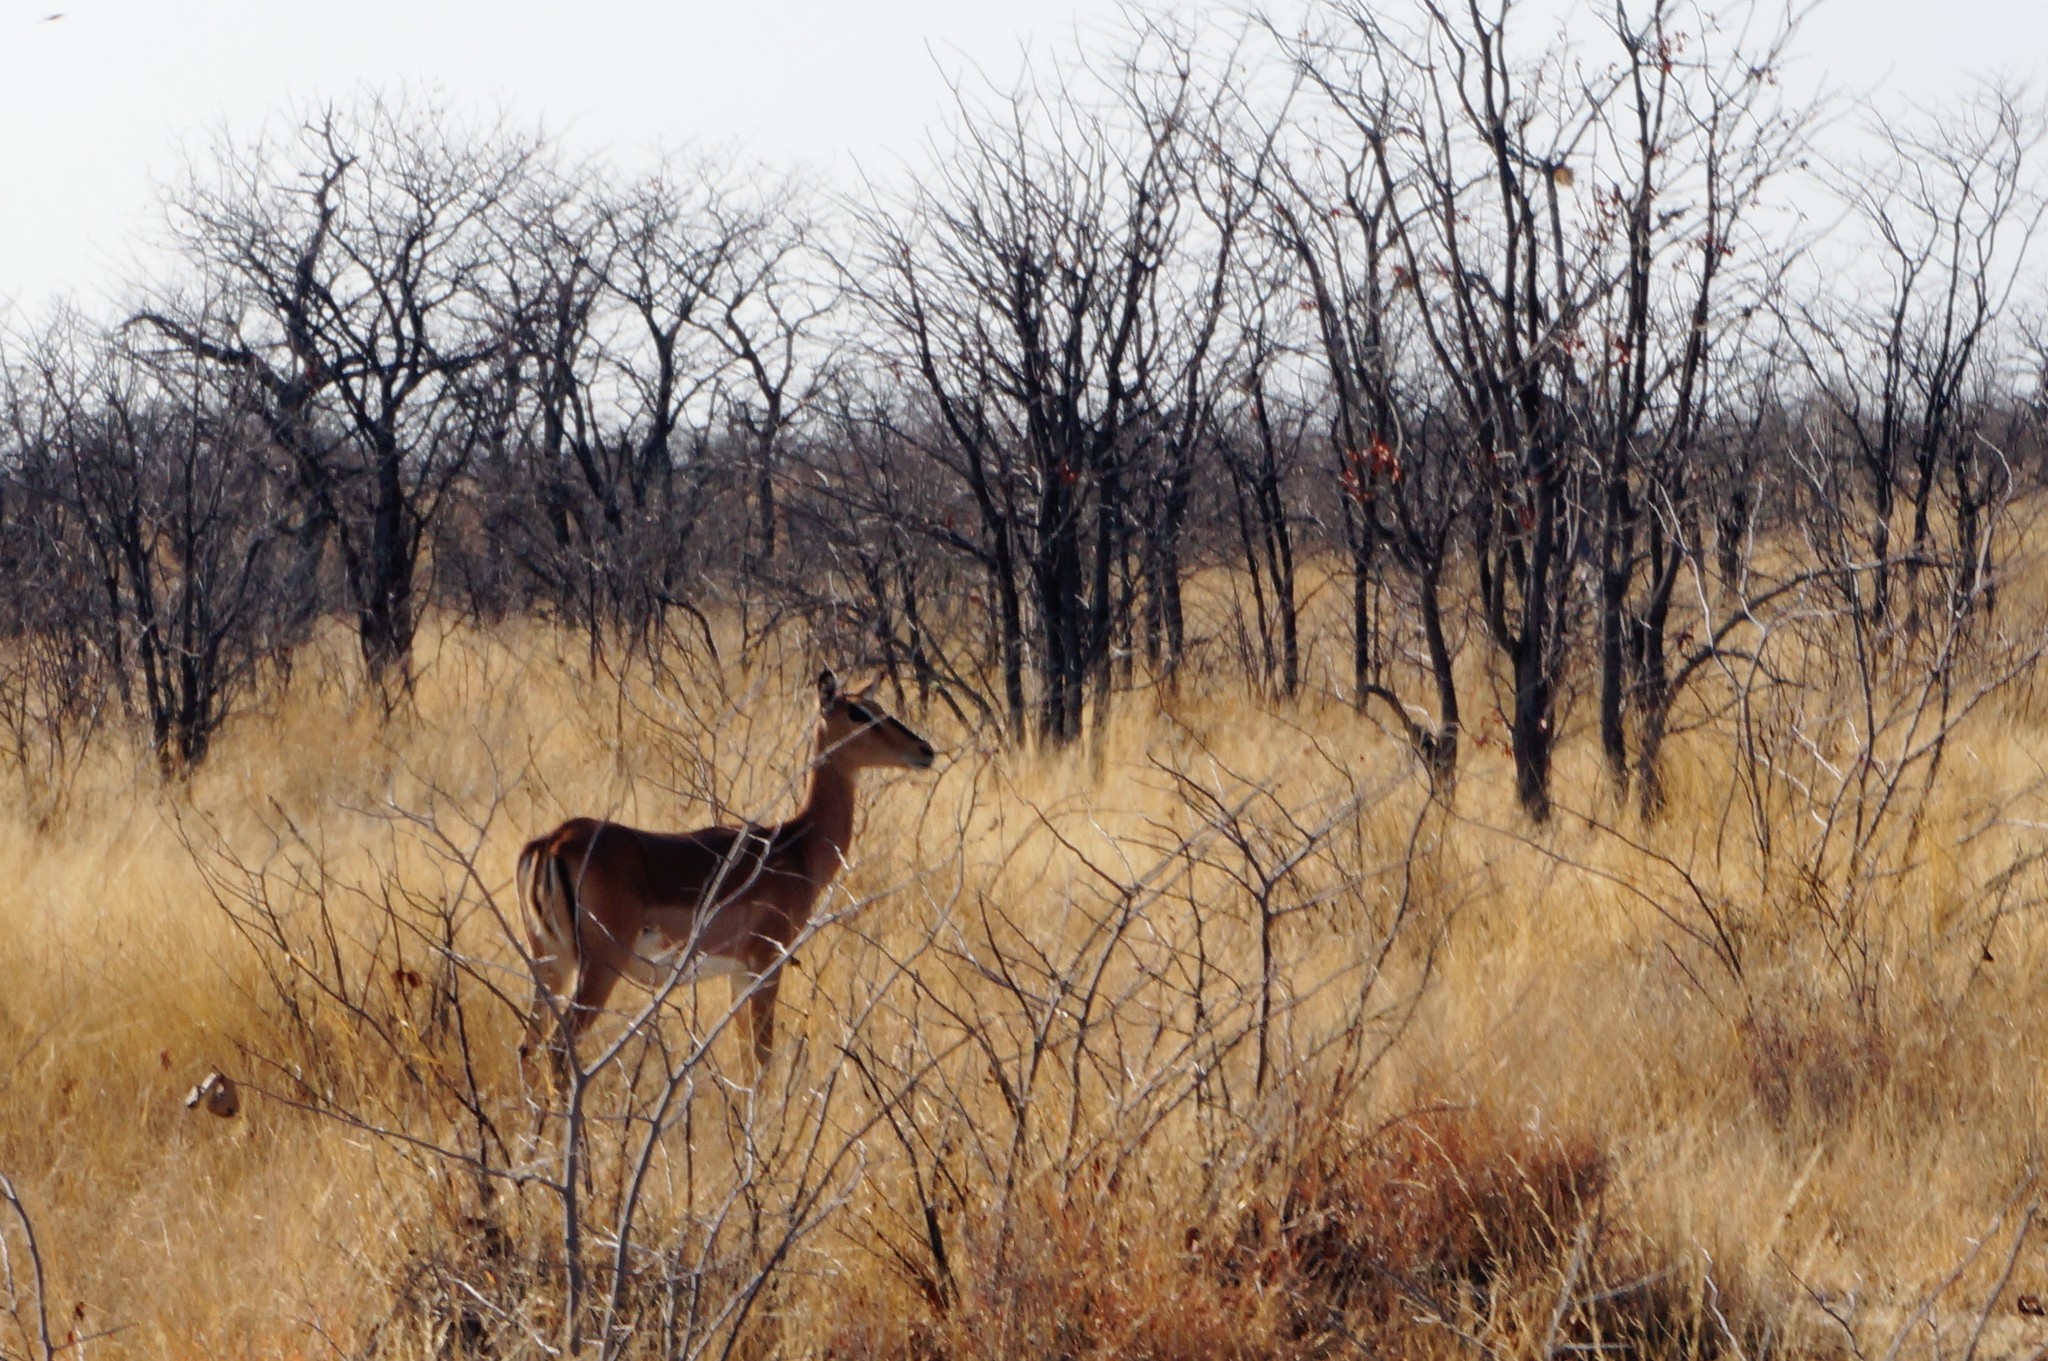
{"type": "Point", "coordinates": [95, 105]}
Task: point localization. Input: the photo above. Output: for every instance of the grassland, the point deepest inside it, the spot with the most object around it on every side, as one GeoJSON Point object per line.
{"type": "Point", "coordinates": [1215, 1035]}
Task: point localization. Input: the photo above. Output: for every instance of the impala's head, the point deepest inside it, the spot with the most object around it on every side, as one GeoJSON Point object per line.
{"type": "Point", "coordinates": [858, 732]}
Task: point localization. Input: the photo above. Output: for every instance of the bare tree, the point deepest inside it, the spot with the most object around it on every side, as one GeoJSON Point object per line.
{"type": "Point", "coordinates": [1260, 446]}
{"type": "Point", "coordinates": [877, 563]}
{"type": "Point", "coordinates": [345, 282]}
{"type": "Point", "coordinates": [1027, 288]}
{"type": "Point", "coordinates": [56, 681]}
{"type": "Point", "coordinates": [1393, 466]}
{"type": "Point", "coordinates": [1467, 147]}
{"type": "Point", "coordinates": [1910, 362]}
{"type": "Point", "coordinates": [161, 496]}
{"type": "Point", "coordinates": [660, 289]}
{"type": "Point", "coordinates": [1488, 234]}
{"type": "Point", "coordinates": [1696, 132]}
{"type": "Point", "coordinates": [772, 300]}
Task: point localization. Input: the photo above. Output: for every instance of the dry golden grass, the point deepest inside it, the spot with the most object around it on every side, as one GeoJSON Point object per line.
{"type": "Point", "coordinates": [1512, 1101]}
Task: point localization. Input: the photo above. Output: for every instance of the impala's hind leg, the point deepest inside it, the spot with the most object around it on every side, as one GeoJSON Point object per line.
{"type": "Point", "coordinates": [558, 987]}
{"type": "Point", "coordinates": [537, 1024]}
{"type": "Point", "coordinates": [594, 984]}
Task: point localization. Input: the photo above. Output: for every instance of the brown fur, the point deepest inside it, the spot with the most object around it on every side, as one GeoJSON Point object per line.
{"type": "Point", "coordinates": [605, 901]}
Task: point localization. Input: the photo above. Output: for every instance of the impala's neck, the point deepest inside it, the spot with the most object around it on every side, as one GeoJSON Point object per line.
{"type": "Point", "coordinates": [828, 813]}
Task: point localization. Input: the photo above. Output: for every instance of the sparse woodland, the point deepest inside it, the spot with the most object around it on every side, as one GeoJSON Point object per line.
{"type": "Point", "coordinates": [1481, 600]}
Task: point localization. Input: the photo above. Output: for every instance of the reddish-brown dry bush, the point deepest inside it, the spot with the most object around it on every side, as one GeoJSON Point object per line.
{"type": "Point", "coordinates": [1446, 1231]}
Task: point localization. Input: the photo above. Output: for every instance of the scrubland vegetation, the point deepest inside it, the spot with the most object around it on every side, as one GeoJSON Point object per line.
{"type": "Point", "coordinates": [1489, 674]}
{"type": "Point", "coordinates": [1215, 1034]}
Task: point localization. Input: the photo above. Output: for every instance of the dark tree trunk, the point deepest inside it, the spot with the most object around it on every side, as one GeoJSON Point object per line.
{"type": "Point", "coordinates": [1616, 569]}
{"type": "Point", "coordinates": [1442, 752]}
{"type": "Point", "coordinates": [386, 621]}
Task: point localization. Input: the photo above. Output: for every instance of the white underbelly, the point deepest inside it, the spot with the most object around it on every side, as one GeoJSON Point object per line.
{"type": "Point", "coordinates": [656, 957]}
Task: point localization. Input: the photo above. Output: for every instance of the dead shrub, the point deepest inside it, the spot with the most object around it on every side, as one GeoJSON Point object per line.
{"type": "Point", "coordinates": [466, 1287]}
{"type": "Point", "coordinates": [1447, 1231]}
{"type": "Point", "coordinates": [1087, 1275]}
{"type": "Point", "coordinates": [1809, 1071]}
{"type": "Point", "coordinates": [1450, 1227]}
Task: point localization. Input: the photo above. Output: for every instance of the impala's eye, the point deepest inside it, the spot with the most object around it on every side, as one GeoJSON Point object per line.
{"type": "Point", "coordinates": [859, 713]}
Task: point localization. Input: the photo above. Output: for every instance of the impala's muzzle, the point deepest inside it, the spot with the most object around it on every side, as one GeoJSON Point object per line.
{"type": "Point", "coordinates": [914, 751]}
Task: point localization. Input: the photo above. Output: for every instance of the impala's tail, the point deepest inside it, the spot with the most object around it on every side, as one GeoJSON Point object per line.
{"type": "Point", "coordinates": [549, 896]}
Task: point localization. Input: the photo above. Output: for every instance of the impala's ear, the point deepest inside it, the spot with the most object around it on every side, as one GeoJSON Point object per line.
{"type": "Point", "coordinates": [828, 688]}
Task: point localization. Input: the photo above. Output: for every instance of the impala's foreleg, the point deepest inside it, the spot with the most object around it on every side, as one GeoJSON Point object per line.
{"type": "Point", "coordinates": [761, 1014]}
{"type": "Point", "coordinates": [759, 981]}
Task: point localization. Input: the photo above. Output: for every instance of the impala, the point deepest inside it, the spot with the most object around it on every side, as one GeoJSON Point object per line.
{"type": "Point", "coordinates": [605, 901]}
